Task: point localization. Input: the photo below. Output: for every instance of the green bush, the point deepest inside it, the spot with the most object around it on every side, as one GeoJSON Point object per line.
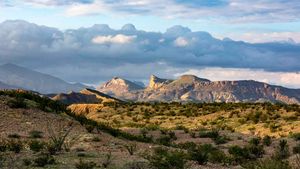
{"type": "Point", "coordinates": [43, 160]}
{"type": "Point", "coordinates": [267, 140]}
{"type": "Point", "coordinates": [15, 135]}
{"type": "Point", "coordinates": [131, 148]}
{"type": "Point", "coordinates": [85, 165]}
{"type": "Point", "coordinates": [296, 149]}
{"type": "Point", "coordinates": [3, 145]}
{"type": "Point", "coordinates": [17, 103]}
{"type": "Point", "coordinates": [267, 164]}
{"type": "Point", "coordinates": [36, 146]}
{"type": "Point", "coordinates": [27, 162]}
{"type": "Point", "coordinates": [35, 134]}
{"type": "Point", "coordinates": [239, 154]}
{"type": "Point", "coordinates": [201, 153]}
{"type": "Point", "coordinates": [282, 150]}
{"type": "Point", "coordinates": [166, 159]}
{"type": "Point", "coordinates": [209, 134]}
{"type": "Point", "coordinates": [164, 140]}
{"type": "Point", "coordinates": [15, 146]}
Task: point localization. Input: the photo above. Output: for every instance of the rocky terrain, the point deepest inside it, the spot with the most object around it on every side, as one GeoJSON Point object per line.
{"type": "Point", "coordinates": [37, 132]}
{"type": "Point", "coordinates": [189, 88]}
{"type": "Point", "coordinates": [87, 96]}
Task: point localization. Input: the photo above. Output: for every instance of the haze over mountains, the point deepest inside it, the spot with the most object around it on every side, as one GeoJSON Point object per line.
{"type": "Point", "coordinates": [13, 76]}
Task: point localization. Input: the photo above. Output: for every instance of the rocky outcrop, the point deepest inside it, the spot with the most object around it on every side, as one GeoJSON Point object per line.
{"type": "Point", "coordinates": [156, 83]}
{"type": "Point", "coordinates": [86, 96]}
{"type": "Point", "coordinates": [192, 88]}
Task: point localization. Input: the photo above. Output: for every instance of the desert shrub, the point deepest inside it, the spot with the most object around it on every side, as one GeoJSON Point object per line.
{"type": "Point", "coordinates": [267, 164]}
{"type": "Point", "coordinates": [239, 154]}
{"type": "Point", "coordinates": [164, 140]}
{"type": "Point", "coordinates": [85, 165]}
{"type": "Point", "coordinates": [3, 145]}
{"type": "Point", "coordinates": [180, 127]}
{"type": "Point", "coordinates": [201, 153]}
{"type": "Point", "coordinates": [166, 159]}
{"type": "Point", "coordinates": [15, 146]}
{"type": "Point", "coordinates": [14, 135]}
{"type": "Point", "coordinates": [96, 139]}
{"type": "Point", "coordinates": [187, 145]}
{"type": "Point", "coordinates": [209, 134]}
{"type": "Point", "coordinates": [57, 139]}
{"type": "Point", "coordinates": [27, 162]}
{"type": "Point", "coordinates": [193, 134]}
{"type": "Point", "coordinates": [131, 148]}
{"type": "Point", "coordinates": [282, 150]}
{"type": "Point", "coordinates": [89, 128]}
{"type": "Point", "coordinates": [107, 160]}
{"type": "Point", "coordinates": [296, 136]}
{"type": "Point", "coordinates": [16, 103]}
{"type": "Point", "coordinates": [35, 134]}
{"type": "Point", "coordinates": [296, 149]}
{"type": "Point", "coordinates": [255, 148]}
{"type": "Point", "coordinates": [43, 160]}
{"type": "Point", "coordinates": [2, 160]}
{"type": "Point", "coordinates": [221, 140]}
{"type": "Point", "coordinates": [267, 140]}
{"type": "Point", "coordinates": [136, 165]}
{"type": "Point", "coordinates": [36, 146]}
{"type": "Point", "coordinates": [218, 156]}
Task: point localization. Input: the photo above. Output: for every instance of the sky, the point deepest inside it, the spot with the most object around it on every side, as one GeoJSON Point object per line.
{"type": "Point", "coordinates": [90, 41]}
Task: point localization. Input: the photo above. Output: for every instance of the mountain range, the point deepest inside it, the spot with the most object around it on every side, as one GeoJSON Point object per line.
{"type": "Point", "coordinates": [14, 76]}
{"type": "Point", "coordinates": [186, 88]}
{"type": "Point", "coordinates": [189, 88]}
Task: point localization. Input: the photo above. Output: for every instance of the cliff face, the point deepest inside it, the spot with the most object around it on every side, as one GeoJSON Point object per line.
{"type": "Point", "coordinates": [192, 88]}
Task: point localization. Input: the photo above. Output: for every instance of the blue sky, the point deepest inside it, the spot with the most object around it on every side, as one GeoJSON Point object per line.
{"type": "Point", "coordinates": [219, 17]}
{"type": "Point", "coordinates": [256, 21]}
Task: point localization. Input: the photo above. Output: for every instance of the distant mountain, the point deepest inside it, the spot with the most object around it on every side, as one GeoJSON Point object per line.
{"type": "Point", "coordinates": [117, 86]}
{"type": "Point", "coordinates": [191, 88]}
{"type": "Point", "coordinates": [13, 75]}
{"type": "Point", "coordinates": [85, 96]}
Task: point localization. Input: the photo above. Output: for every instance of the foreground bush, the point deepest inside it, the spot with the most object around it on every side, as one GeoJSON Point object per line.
{"type": "Point", "coordinates": [166, 159]}
{"type": "Point", "coordinates": [267, 164]}
{"type": "Point", "coordinates": [43, 160]}
{"type": "Point", "coordinates": [85, 165]}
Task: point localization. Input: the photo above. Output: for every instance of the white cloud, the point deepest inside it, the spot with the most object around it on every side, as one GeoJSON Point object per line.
{"type": "Point", "coordinates": [119, 39]}
{"type": "Point", "coordinates": [261, 37]}
{"type": "Point", "coordinates": [289, 79]}
{"type": "Point", "coordinates": [181, 42]}
{"type": "Point", "coordinates": [97, 7]}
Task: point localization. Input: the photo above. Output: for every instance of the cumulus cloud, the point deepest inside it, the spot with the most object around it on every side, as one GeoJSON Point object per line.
{"type": "Point", "coordinates": [92, 54]}
{"type": "Point", "coordinates": [261, 37]}
{"type": "Point", "coordinates": [119, 39]}
{"type": "Point", "coordinates": [181, 42]}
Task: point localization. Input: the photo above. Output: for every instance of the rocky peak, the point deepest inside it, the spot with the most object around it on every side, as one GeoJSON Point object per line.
{"type": "Point", "coordinates": [191, 79]}
{"type": "Point", "coordinates": [117, 85]}
{"type": "Point", "coordinates": [156, 82]}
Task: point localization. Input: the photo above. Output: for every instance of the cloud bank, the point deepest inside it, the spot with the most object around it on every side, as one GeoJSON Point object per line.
{"type": "Point", "coordinates": [97, 53]}
{"type": "Point", "coordinates": [234, 11]}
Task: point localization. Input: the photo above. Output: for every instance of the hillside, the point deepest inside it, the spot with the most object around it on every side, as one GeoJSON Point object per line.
{"type": "Point", "coordinates": [189, 88]}
{"type": "Point", "coordinates": [87, 96]}
{"type": "Point", "coordinates": [14, 75]}
{"type": "Point", "coordinates": [31, 126]}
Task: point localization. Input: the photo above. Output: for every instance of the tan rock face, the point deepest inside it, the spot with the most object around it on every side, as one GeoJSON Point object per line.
{"type": "Point", "coordinates": [192, 88]}
{"type": "Point", "coordinates": [156, 83]}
